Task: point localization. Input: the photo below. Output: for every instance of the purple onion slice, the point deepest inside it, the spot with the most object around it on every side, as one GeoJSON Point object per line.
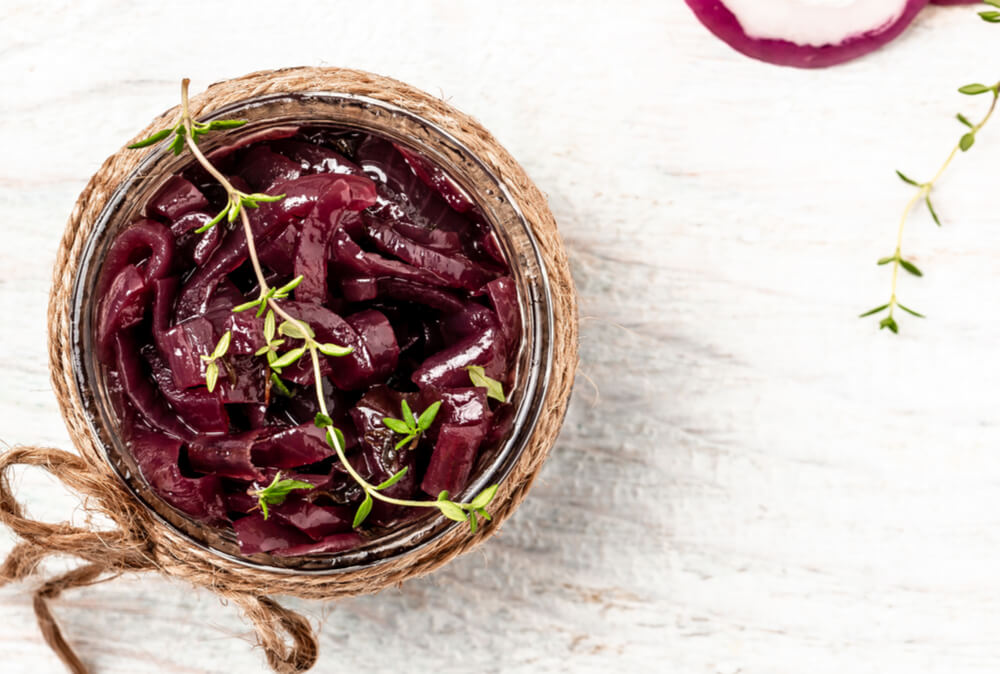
{"type": "Point", "coordinates": [806, 33]}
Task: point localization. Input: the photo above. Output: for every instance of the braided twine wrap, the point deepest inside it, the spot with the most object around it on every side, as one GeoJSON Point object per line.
{"type": "Point", "coordinates": [140, 542]}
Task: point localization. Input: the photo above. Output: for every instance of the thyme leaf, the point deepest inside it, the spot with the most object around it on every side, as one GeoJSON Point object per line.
{"type": "Point", "coordinates": [276, 492]}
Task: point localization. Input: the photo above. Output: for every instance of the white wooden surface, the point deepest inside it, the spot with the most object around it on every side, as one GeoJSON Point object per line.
{"type": "Point", "coordinates": [766, 485]}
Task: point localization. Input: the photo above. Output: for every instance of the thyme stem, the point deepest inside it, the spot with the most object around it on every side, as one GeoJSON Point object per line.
{"type": "Point", "coordinates": [924, 190]}
{"type": "Point", "coordinates": [235, 200]}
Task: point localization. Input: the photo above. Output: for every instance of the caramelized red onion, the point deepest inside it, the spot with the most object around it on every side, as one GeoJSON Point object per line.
{"type": "Point", "coordinates": [396, 263]}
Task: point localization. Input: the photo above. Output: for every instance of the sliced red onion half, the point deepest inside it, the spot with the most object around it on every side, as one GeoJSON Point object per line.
{"type": "Point", "coordinates": [806, 33]}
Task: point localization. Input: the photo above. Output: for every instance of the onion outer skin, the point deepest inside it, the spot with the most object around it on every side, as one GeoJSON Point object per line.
{"type": "Point", "coordinates": [725, 26]}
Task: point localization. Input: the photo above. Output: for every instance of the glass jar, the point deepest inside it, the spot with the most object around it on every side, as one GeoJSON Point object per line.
{"type": "Point", "coordinates": [344, 111]}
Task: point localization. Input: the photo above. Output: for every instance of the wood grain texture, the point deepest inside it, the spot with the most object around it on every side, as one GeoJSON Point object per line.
{"type": "Point", "coordinates": [766, 484]}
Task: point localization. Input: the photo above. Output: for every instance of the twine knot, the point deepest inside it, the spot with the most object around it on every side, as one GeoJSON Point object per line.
{"type": "Point", "coordinates": [131, 547]}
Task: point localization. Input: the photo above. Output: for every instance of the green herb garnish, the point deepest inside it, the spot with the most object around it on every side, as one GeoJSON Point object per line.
{"type": "Point", "coordinates": [411, 427]}
{"type": "Point", "coordinates": [924, 189]}
{"type": "Point", "coordinates": [468, 512]}
{"type": "Point", "coordinates": [267, 295]}
{"type": "Point", "coordinates": [276, 492]}
{"type": "Point", "coordinates": [211, 367]}
{"type": "Point", "coordinates": [494, 389]}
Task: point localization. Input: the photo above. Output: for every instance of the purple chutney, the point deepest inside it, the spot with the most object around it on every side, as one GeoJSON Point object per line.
{"type": "Point", "coordinates": [396, 262]}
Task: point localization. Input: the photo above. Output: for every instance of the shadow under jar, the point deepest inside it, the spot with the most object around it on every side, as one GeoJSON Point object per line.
{"type": "Point", "coordinates": [335, 121]}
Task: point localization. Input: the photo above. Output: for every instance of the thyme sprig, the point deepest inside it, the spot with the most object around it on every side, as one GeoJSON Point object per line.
{"type": "Point", "coordinates": [468, 512]}
{"type": "Point", "coordinates": [411, 427]}
{"type": "Point", "coordinates": [186, 132]}
{"type": "Point", "coordinates": [924, 189]}
{"type": "Point", "coordinates": [276, 492]}
{"type": "Point", "coordinates": [211, 366]}
{"type": "Point", "coordinates": [494, 389]}
{"type": "Point", "coordinates": [268, 294]}
{"type": "Point", "coordinates": [270, 348]}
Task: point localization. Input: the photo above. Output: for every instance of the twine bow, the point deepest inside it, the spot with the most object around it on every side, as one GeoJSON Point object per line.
{"type": "Point", "coordinates": [285, 636]}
